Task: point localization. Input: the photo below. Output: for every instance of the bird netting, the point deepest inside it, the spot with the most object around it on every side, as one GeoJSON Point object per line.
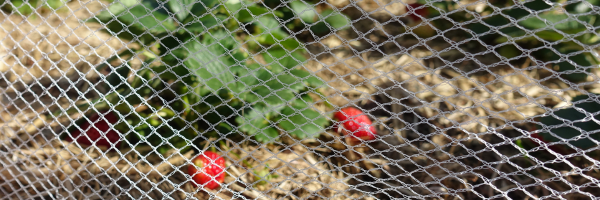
{"type": "Point", "coordinates": [274, 99]}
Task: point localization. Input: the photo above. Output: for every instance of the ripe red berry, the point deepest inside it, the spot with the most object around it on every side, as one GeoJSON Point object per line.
{"type": "Point", "coordinates": [100, 133]}
{"type": "Point", "coordinates": [555, 148]}
{"type": "Point", "coordinates": [207, 170]}
{"type": "Point", "coordinates": [418, 12]}
{"type": "Point", "coordinates": [356, 123]}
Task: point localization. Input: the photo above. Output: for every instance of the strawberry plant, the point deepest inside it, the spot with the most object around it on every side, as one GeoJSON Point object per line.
{"type": "Point", "coordinates": [554, 35]}
{"type": "Point", "coordinates": [305, 15]}
{"type": "Point", "coordinates": [209, 69]}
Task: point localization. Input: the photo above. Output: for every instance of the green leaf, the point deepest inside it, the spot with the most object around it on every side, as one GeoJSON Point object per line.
{"type": "Point", "coordinates": [279, 98]}
{"type": "Point", "coordinates": [533, 23]}
{"type": "Point", "coordinates": [267, 23]}
{"type": "Point", "coordinates": [200, 8]}
{"type": "Point", "coordinates": [509, 51]}
{"type": "Point", "coordinates": [279, 37]}
{"type": "Point", "coordinates": [249, 79]}
{"type": "Point", "coordinates": [537, 5]}
{"type": "Point", "coordinates": [263, 74]}
{"type": "Point", "coordinates": [237, 87]}
{"type": "Point", "coordinates": [121, 5]}
{"type": "Point", "coordinates": [561, 22]}
{"type": "Point", "coordinates": [300, 73]}
{"type": "Point", "coordinates": [582, 7]}
{"type": "Point", "coordinates": [254, 66]}
{"type": "Point", "coordinates": [274, 84]}
{"type": "Point", "coordinates": [142, 131]}
{"type": "Point", "coordinates": [306, 12]}
{"type": "Point", "coordinates": [570, 71]}
{"type": "Point", "coordinates": [587, 105]}
{"type": "Point", "coordinates": [330, 19]}
{"type": "Point", "coordinates": [171, 73]}
{"type": "Point", "coordinates": [249, 97]}
{"type": "Point", "coordinates": [204, 23]}
{"type": "Point", "coordinates": [335, 19]}
{"type": "Point", "coordinates": [254, 85]}
{"type": "Point", "coordinates": [286, 81]}
{"type": "Point", "coordinates": [225, 40]}
{"type": "Point", "coordinates": [118, 76]}
{"type": "Point", "coordinates": [307, 123]}
{"type": "Point", "coordinates": [262, 91]}
{"type": "Point", "coordinates": [267, 135]}
{"type": "Point", "coordinates": [253, 120]}
{"type": "Point", "coordinates": [267, 92]}
{"type": "Point", "coordinates": [302, 102]}
{"type": "Point", "coordinates": [224, 128]}
{"type": "Point", "coordinates": [250, 12]}
{"type": "Point", "coordinates": [550, 35]}
{"type": "Point", "coordinates": [181, 8]}
{"type": "Point", "coordinates": [142, 18]}
{"type": "Point", "coordinates": [589, 38]}
{"type": "Point", "coordinates": [290, 82]}
{"type": "Point", "coordinates": [490, 20]}
{"type": "Point", "coordinates": [315, 82]}
{"type": "Point", "coordinates": [269, 32]}
{"type": "Point", "coordinates": [280, 56]}
{"type": "Point", "coordinates": [233, 6]}
{"type": "Point", "coordinates": [239, 56]}
{"type": "Point", "coordinates": [239, 70]}
{"type": "Point", "coordinates": [22, 7]}
{"type": "Point", "coordinates": [308, 78]}
{"type": "Point", "coordinates": [205, 59]}
{"type": "Point", "coordinates": [54, 4]}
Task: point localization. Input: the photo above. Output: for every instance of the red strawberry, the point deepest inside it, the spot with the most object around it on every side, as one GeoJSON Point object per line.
{"type": "Point", "coordinates": [554, 148]}
{"type": "Point", "coordinates": [356, 123]}
{"type": "Point", "coordinates": [418, 12]}
{"type": "Point", "coordinates": [418, 28]}
{"type": "Point", "coordinates": [100, 133]}
{"type": "Point", "coordinates": [207, 170]}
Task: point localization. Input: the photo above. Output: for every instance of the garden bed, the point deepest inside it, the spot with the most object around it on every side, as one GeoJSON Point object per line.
{"type": "Point", "coordinates": [449, 123]}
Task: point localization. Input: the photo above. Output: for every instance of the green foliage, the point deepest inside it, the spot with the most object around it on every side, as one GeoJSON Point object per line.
{"type": "Point", "coordinates": [558, 36]}
{"type": "Point", "coordinates": [26, 7]}
{"type": "Point", "coordinates": [562, 34]}
{"type": "Point", "coordinates": [263, 176]}
{"type": "Point", "coordinates": [299, 15]}
{"type": "Point", "coordinates": [569, 123]}
{"type": "Point", "coordinates": [201, 77]}
{"type": "Point", "coordinates": [536, 29]}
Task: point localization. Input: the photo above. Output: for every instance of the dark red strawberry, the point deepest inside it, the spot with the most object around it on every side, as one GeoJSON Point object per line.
{"type": "Point", "coordinates": [418, 11]}
{"type": "Point", "coordinates": [422, 30]}
{"type": "Point", "coordinates": [356, 123]}
{"type": "Point", "coordinates": [554, 148]}
{"type": "Point", "coordinates": [100, 133]}
{"type": "Point", "coordinates": [208, 170]}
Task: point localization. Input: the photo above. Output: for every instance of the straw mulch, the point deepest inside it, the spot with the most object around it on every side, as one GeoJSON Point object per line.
{"type": "Point", "coordinates": [63, 170]}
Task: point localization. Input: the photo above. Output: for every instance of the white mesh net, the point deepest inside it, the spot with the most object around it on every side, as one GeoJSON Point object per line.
{"type": "Point", "coordinates": [277, 99]}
